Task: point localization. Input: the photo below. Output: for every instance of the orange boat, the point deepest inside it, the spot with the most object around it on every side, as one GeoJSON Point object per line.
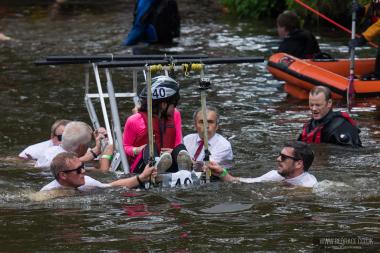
{"type": "Point", "coordinates": [301, 75]}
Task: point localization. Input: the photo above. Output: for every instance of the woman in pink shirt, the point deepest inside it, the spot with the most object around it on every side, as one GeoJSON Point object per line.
{"type": "Point", "coordinates": [167, 125]}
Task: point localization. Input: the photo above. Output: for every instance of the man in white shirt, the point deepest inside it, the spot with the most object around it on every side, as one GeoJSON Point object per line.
{"type": "Point", "coordinates": [293, 162]}
{"type": "Point", "coordinates": [76, 138]}
{"type": "Point", "coordinates": [219, 147]}
{"type": "Point", "coordinates": [36, 151]}
{"type": "Point", "coordinates": [69, 173]}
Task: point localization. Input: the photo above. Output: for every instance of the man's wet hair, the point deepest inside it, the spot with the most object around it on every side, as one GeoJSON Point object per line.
{"type": "Point", "coordinates": [321, 89]}
{"type": "Point", "coordinates": [60, 163]}
{"type": "Point", "coordinates": [289, 20]}
{"type": "Point", "coordinates": [302, 151]}
{"type": "Point", "coordinates": [76, 133]}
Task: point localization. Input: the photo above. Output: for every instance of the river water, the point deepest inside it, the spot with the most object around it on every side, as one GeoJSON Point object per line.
{"type": "Point", "coordinates": [256, 115]}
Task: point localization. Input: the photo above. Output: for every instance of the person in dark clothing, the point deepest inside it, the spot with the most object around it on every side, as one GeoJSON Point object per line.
{"type": "Point", "coordinates": [296, 41]}
{"type": "Point", "coordinates": [371, 16]}
{"type": "Point", "coordinates": [328, 126]}
{"type": "Point", "coordinates": [155, 21]}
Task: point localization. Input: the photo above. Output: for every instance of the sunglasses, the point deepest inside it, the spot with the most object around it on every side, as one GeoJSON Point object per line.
{"type": "Point", "coordinates": [59, 137]}
{"type": "Point", "coordinates": [283, 157]}
{"type": "Point", "coordinates": [78, 170]}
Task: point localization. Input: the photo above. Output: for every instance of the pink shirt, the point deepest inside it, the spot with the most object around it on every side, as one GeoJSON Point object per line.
{"type": "Point", "coordinates": [135, 128]}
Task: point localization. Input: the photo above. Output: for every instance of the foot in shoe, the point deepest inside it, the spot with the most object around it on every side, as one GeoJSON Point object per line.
{"type": "Point", "coordinates": [163, 163]}
{"type": "Point", "coordinates": [184, 161]}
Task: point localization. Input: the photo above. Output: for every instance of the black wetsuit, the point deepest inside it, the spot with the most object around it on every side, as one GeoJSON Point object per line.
{"type": "Point", "coordinates": [300, 43]}
{"type": "Point", "coordinates": [334, 128]}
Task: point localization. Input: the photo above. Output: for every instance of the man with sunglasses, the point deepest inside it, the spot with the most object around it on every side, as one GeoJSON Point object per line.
{"type": "Point", "coordinates": [35, 151]}
{"type": "Point", "coordinates": [293, 164]}
{"type": "Point", "coordinates": [76, 138]}
{"type": "Point", "coordinates": [68, 171]}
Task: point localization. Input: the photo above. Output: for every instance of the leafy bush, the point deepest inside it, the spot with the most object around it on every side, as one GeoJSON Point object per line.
{"type": "Point", "coordinates": [254, 8]}
{"type": "Point", "coordinates": [337, 10]}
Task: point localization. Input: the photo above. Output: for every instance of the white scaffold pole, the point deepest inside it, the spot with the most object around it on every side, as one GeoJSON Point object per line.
{"type": "Point", "coordinates": [150, 115]}
{"type": "Point", "coordinates": [116, 122]}
{"type": "Point", "coordinates": [87, 100]}
{"type": "Point", "coordinates": [204, 84]}
{"type": "Point", "coordinates": [150, 119]}
{"type": "Point", "coordinates": [102, 103]}
{"type": "Point", "coordinates": [136, 100]}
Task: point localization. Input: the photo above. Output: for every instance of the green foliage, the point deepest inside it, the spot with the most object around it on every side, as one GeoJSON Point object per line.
{"type": "Point", "coordinates": [335, 9]}
{"type": "Point", "coordinates": [252, 8]}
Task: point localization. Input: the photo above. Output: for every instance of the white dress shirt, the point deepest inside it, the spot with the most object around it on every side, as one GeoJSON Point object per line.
{"type": "Point", "coordinates": [219, 147]}
{"type": "Point", "coordinates": [45, 160]}
{"type": "Point", "coordinates": [304, 180]}
{"type": "Point", "coordinates": [36, 151]}
{"type": "Point", "coordinates": [89, 184]}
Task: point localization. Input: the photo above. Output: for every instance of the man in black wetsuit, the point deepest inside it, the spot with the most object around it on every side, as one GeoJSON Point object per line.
{"type": "Point", "coordinates": [328, 126]}
{"type": "Point", "coordinates": [296, 41]}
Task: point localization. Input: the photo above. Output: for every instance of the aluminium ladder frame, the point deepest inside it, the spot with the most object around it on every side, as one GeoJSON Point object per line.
{"type": "Point", "coordinates": [120, 155]}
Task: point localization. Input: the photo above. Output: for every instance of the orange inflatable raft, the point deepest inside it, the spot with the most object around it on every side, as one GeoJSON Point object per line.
{"type": "Point", "coordinates": [302, 75]}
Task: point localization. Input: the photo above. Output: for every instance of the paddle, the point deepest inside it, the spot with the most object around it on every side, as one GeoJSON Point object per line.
{"type": "Point", "coordinates": [204, 84]}
{"type": "Point", "coordinates": [150, 119]}
{"type": "Point", "coordinates": [350, 87]}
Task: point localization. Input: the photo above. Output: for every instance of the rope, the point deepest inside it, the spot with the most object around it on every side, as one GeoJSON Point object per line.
{"type": "Point", "coordinates": [156, 68]}
{"type": "Point", "coordinates": [186, 69]}
{"type": "Point", "coordinates": [171, 67]}
{"type": "Point", "coordinates": [197, 67]}
{"type": "Point", "coordinates": [330, 20]}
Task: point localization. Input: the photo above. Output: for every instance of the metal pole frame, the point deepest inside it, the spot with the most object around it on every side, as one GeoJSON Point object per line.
{"type": "Point", "coordinates": [150, 115]}
{"type": "Point", "coordinates": [102, 103]}
{"type": "Point", "coordinates": [136, 99]}
{"type": "Point", "coordinates": [204, 84]}
{"type": "Point", "coordinates": [351, 79]}
{"type": "Point", "coordinates": [87, 100]}
{"type": "Point", "coordinates": [116, 126]}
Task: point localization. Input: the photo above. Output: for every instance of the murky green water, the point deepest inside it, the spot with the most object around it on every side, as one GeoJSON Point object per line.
{"type": "Point", "coordinates": [218, 217]}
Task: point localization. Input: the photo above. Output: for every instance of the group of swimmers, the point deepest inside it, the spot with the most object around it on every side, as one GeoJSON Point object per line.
{"type": "Point", "coordinates": [179, 157]}
{"type": "Point", "coordinates": [180, 160]}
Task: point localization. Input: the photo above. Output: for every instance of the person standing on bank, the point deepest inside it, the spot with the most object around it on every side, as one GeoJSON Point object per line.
{"type": "Point", "coordinates": [326, 125]}
{"type": "Point", "coordinates": [296, 41]}
{"type": "Point", "coordinates": [155, 21]}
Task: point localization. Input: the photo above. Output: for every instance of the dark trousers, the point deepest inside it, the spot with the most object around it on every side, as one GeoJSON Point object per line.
{"type": "Point", "coordinates": [144, 159]}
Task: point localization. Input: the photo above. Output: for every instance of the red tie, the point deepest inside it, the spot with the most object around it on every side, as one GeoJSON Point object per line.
{"type": "Point", "coordinates": [198, 150]}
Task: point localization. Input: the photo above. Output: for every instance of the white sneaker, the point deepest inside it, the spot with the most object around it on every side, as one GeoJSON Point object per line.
{"type": "Point", "coordinates": [184, 161]}
{"type": "Point", "coordinates": [163, 163]}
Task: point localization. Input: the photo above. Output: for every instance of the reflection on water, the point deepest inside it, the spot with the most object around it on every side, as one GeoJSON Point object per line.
{"type": "Point", "coordinates": [218, 217]}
